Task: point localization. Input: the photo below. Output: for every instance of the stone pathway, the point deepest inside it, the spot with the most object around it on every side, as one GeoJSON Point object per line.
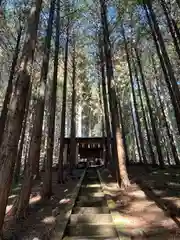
{"type": "Point", "coordinates": [90, 218]}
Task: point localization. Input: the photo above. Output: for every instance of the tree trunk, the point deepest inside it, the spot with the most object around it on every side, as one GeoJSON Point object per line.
{"type": "Point", "coordinates": [117, 137]}
{"type": "Point", "coordinates": [60, 177]}
{"type": "Point", "coordinates": [171, 93]}
{"type": "Point", "coordinates": [176, 29]}
{"type": "Point", "coordinates": [141, 137]}
{"type": "Point", "coordinates": [105, 147]}
{"type": "Point", "coordinates": [73, 114]}
{"type": "Point", "coordinates": [170, 136]}
{"type": "Point", "coordinates": [103, 119]}
{"type": "Point", "coordinates": [47, 181]}
{"type": "Point", "coordinates": [20, 148]}
{"type": "Point", "coordinates": [178, 3]}
{"type": "Point", "coordinates": [37, 127]}
{"type": "Point", "coordinates": [16, 111]}
{"type": "Point", "coordinates": [136, 136]}
{"type": "Point", "coordinates": [169, 23]}
{"type": "Point", "coordinates": [123, 131]}
{"type": "Point", "coordinates": [155, 28]}
{"type": "Point", "coordinates": [4, 111]}
{"type": "Point", "coordinates": [168, 157]}
{"type": "Point", "coordinates": [159, 121]}
{"type": "Point", "coordinates": [156, 137]}
{"type": "Point", "coordinates": [172, 87]}
{"type": "Point", "coordinates": [105, 102]}
{"type": "Point", "coordinates": [104, 143]}
{"type": "Point", "coordinates": [32, 168]}
{"type": "Point", "coordinates": [144, 118]}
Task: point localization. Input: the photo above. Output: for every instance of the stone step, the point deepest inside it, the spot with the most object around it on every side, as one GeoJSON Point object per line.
{"type": "Point", "coordinates": [90, 198]}
{"type": "Point", "coordinates": [91, 218]}
{"type": "Point", "coordinates": [91, 194]}
{"type": "Point", "coordinates": [86, 191]}
{"type": "Point", "coordinates": [90, 210]}
{"type": "Point", "coordinates": [91, 203]}
{"type": "Point", "coordinates": [91, 178]}
{"type": "Point", "coordinates": [91, 188]}
{"type": "Point", "coordinates": [107, 231]}
{"type": "Point", "coordinates": [89, 185]}
{"type": "Point", "coordinates": [89, 238]}
{"type": "Point", "coordinates": [90, 181]}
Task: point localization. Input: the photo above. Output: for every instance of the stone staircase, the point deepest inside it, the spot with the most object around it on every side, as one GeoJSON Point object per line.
{"type": "Point", "coordinates": [90, 218]}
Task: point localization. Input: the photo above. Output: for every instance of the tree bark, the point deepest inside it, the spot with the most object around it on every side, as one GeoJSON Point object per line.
{"type": "Point", "coordinates": [123, 132]}
{"type": "Point", "coordinates": [169, 23]}
{"type": "Point", "coordinates": [170, 136]}
{"type": "Point", "coordinates": [4, 111]}
{"type": "Point", "coordinates": [136, 136]}
{"type": "Point", "coordinates": [156, 137]}
{"type": "Point", "coordinates": [32, 168]}
{"type": "Point", "coordinates": [105, 102]}
{"type": "Point", "coordinates": [60, 177]}
{"type": "Point", "coordinates": [144, 118]}
{"type": "Point", "coordinates": [141, 138]}
{"type": "Point", "coordinates": [171, 93]}
{"type": "Point", "coordinates": [73, 113]}
{"type": "Point", "coordinates": [117, 136]}
{"type": "Point", "coordinates": [47, 181]}
{"type": "Point", "coordinates": [176, 29]}
{"type": "Point", "coordinates": [104, 156]}
{"type": "Point", "coordinates": [37, 127]}
{"type": "Point", "coordinates": [178, 3]}
{"type": "Point", "coordinates": [155, 28]}
{"type": "Point", "coordinates": [16, 111]}
{"type": "Point", "coordinates": [21, 143]}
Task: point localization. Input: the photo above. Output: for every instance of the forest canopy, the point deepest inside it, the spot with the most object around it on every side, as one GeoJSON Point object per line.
{"type": "Point", "coordinates": [82, 68]}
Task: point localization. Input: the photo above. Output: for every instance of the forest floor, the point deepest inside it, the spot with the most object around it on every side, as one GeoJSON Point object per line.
{"type": "Point", "coordinates": [142, 213]}
{"type": "Point", "coordinates": [163, 186]}
{"type": "Point", "coordinates": [149, 209]}
{"type": "Point", "coordinates": [41, 217]}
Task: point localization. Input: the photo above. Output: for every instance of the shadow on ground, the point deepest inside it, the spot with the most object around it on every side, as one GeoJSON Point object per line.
{"type": "Point", "coordinates": [163, 184]}
{"type": "Point", "coordinates": [41, 217]}
{"type": "Point", "coordinates": [138, 214]}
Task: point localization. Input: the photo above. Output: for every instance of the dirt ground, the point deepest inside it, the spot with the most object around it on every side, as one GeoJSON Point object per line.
{"type": "Point", "coordinates": [164, 185]}
{"type": "Point", "coordinates": [41, 218]}
{"type": "Point", "coordinates": [149, 209]}
{"type": "Point", "coordinates": [140, 216]}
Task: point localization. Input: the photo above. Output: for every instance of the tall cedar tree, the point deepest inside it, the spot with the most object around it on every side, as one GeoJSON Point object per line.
{"type": "Point", "coordinates": [4, 111]}
{"type": "Point", "coordinates": [105, 102]}
{"type": "Point", "coordinates": [60, 177]}
{"type": "Point", "coordinates": [47, 181]}
{"type": "Point", "coordinates": [32, 168]}
{"type": "Point", "coordinates": [117, 136]}
{"type": "Point", "coordinates": [16, 111]}
{"type": "Point", "coordinates": [73, 109]}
